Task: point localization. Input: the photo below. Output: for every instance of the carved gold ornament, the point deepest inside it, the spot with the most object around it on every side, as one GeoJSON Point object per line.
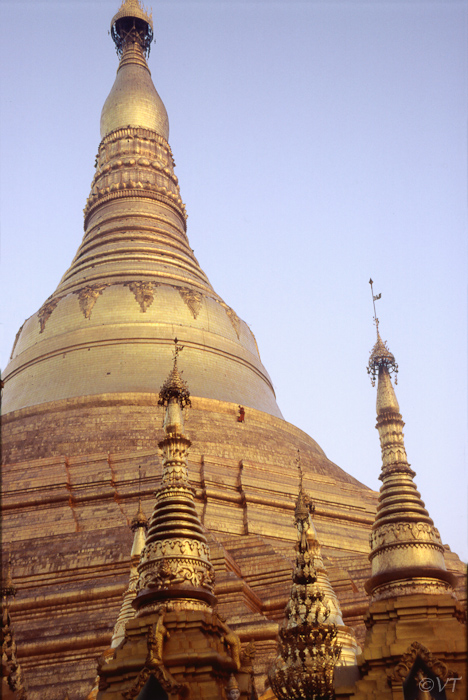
{"type": "Point", "coordinates": [87, 297]}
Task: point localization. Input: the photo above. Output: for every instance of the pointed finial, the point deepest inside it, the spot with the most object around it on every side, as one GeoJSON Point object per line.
{"type": "Point", "coordinates": [174, 386]}
{"type": "Point", "coordinates": [304, 505]}
{"type": "Point", "coordinates": [140, 519]}
{"type": "Point", "coordinates": [380, 355]}
{"type": "Point", "coordinates": [375, 297]}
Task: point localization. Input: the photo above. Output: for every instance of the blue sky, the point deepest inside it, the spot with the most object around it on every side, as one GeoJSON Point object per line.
{"type": "Point", "coordinates": [317, 144]}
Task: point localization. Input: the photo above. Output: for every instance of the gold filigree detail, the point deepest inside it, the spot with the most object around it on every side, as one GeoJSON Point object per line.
{"type": "Point", "coordinates": [192, 298]}
{"type": "Point", "coordinates": [308, 648]}
{"type": "Point", "coordinates": [247, 656]}
{"type": "Point", "coordinates": [173, 572]}
{"type": "Point", "coordinates": [404, 666]}
{"type": "Point", "coordinates": [414, 586]}
{"type": "Point", "coordinates": [233, 317]}
{"type": "Point", "coordinates": [46, 310]}
{"type": "Point", "coordinates": [178, 547]}
{"type": "Point", "coordinates": [87, 297]}
{"type": "Point", "coordinates": [423, 533]}
{"type": "Point", "coordinates": [143, 293]}
{"type": "Point", "coordinates": [141, 166]}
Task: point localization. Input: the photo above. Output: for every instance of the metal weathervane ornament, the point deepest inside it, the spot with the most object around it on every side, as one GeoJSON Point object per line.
{"type": "Point", "coordinates": [380, 355]}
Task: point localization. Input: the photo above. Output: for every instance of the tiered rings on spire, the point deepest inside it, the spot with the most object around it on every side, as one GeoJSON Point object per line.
{"type": "Point", "coordinates": [407, 554]}
{"type": "Point", "coordinates": [175, 567]}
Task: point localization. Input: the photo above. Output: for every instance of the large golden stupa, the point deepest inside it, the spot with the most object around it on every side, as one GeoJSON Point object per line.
{"type": "Point", "coordinates": [81, 415]}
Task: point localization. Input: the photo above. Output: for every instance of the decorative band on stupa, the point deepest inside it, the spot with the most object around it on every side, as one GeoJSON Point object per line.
{"type": "Point", "coordinates": [175, 567]}
{"type": "Point", "coordinates": [407, 554]}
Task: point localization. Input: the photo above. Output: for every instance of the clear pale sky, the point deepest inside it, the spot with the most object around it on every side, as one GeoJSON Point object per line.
{"type": "Point", "coordinates": [317, 144]}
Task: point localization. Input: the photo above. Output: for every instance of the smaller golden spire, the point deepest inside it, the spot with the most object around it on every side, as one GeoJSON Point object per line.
{"type": "Point", "coordinates": [407, 554]}
{"type": "Point", "coordinates": [175, 567]}
{"type": "Point", "coordinates": [138, 526]}
{"type": "Point", "coordinates": [308, 648]}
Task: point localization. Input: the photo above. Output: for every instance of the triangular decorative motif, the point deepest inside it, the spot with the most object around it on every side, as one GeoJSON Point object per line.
{"type": "Point", "coordinates": [143, 292]}
{"type": "Point", "coordinates": [193, 300]}
{"type": "Point", "coordinates": [46, 310]}
{"type": "Point", "coordinates": [87, 297]}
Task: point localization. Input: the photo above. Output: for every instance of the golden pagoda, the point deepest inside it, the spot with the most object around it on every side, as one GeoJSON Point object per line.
{"type": "Point", "coordinates": [81, 413]}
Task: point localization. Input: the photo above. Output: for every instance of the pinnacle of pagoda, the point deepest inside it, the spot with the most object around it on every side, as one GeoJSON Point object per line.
{"type": "Point", "coordinates": [108, 327]}
{"type": "Point", "coordinates": [308, 645]}
{"type": "Point", "coordinates": [139, 526]}
{"type": "Point", "coordinates": [407, 554]}
{"type": "Point", "coordinates": [175, 568]}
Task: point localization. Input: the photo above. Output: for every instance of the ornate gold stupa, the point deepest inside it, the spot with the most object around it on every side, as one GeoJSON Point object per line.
{"type": "Point", "coordinates": [415, 643]}
{"type": "Point", "coordinates": [80, 415]}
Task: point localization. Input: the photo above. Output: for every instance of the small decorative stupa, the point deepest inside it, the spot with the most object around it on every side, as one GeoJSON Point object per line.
{"type": "Point", "coordinates": [175, 645]}
{"type": "Point", "coordinates": [416, 635]}
{"type": "Point", "coordinates": [308, 648]}
{"type": "Point", "coordinates": [407, 554]}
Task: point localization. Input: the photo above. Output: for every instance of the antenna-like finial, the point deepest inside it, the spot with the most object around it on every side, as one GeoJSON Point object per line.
{"type": "Point", "coordinates": [299, 467]}
{"type": "Point", "coordinates": [380, 355]}
{"type": "Point", "coordinates": [375, 298]}
{"type": "Point", "coordinates": [140, 519]}
{"type": "Point", "coordinates": [177, 350]}
{"type": "Point", "coordinates": [304, 505]}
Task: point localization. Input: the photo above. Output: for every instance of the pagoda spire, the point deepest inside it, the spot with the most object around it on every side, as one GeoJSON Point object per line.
{"type": "Point", "coordinates": [175, 567]}
{"type": "Point", "coordinates": [407, 554]}
{"type": "Point", "coordinates": [308, 648]}
{"type": "Point", "coordinates": [134, 277]}
{"type": "Point", "coordinates": [139, 526]}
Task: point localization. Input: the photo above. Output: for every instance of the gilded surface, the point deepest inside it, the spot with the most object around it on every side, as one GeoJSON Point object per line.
{"type": "Point", "coordinates": [87, 297]}
{"type": "Point", "coordinates": [45, 312]}
{"type": "Point", "coordinates": [143, 293]}
{"type": "Point", "coordinates": [308, 649]}
{"type": "Point", "coordinates": [133, 98]}
{"type": "Point", "coordinates": [405, 545]}
{"type": "Point", "coordinates": [12, 676]}
{"type": "Point", "coordinates": [176, 554]}
{"type": "Point", "coordinates": [193, 299]}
